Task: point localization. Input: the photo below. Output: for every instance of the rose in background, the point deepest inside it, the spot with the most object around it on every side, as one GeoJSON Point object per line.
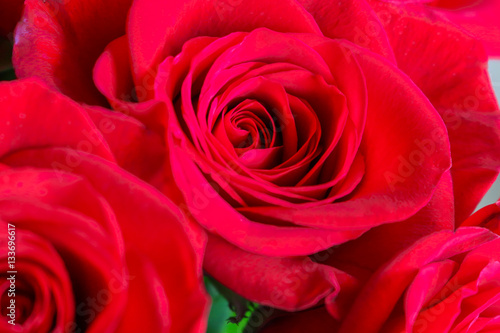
{"type": "Point", "coordinates": [97, 249]}
{"type": "Point", "coordinates": [444, 282]}
{"type": "Point", "coordinates": [293, 128]}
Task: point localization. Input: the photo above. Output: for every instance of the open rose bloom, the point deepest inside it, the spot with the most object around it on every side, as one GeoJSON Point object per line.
{"type": "Point", "coordinates": [321, 159]}
{"type": "Point", "coordinates": [95, 248]}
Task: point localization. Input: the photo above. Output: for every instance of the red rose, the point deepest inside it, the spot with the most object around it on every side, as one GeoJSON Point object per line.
{"type": "Point", "coordinates": [445, 282]}
{"type": "Point", "coordinates": [95, 248]}
{"type": "Point", "coordinates": [289, 127]}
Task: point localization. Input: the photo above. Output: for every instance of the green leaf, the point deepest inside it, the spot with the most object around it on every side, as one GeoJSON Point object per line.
{"type": "Point", "coordinates": [220, 313]}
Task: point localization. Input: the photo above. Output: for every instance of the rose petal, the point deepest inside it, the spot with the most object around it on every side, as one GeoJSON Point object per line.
{"type": "Point", "coordinates": [403, 164]}
{"type": "Point", "coordinates": [25, 122]}
{"type": "Point", "coordinates": [159, 29]}
{"type": "Point", "coordinates": [477, 17]}
{"type": "Point", "coordinates": [113, 77]}
{"type": "Point", "coordinates": [149, 299]}
{"type": "Point", "coordinates": [291, 284]}
{"type": "Point", "coordinates": [41, 269]}
{"type": "Point", "coordinates": [382, 292]}
{"type": "Point", "coordinates": [487, 217]}
{"type": "Point", "coordinates": [60, 42]}
{"type": "Point", "coordinates": [121, 191]}
{"type": "Point", "coordinates": [352, 20]}
{"type": "Point", "coordinates": [372, 249]}
{"type": "Point", "coordinates": [136, 148]}
{"type": "Point", "coordinates": [205, 204]}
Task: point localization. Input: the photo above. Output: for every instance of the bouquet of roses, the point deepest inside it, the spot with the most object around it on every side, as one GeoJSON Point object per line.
{"type": "Point", "coordinates": [248, 166]}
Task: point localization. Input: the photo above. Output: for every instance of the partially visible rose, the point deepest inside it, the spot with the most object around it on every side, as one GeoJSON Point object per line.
{"type": "Point", "coordinates": [96, 249]}
{"type": "Point", "coordinates": [445, 282]}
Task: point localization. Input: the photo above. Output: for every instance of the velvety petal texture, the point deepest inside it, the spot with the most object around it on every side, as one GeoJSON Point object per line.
{"type": "Point", "coordinates": [227, 162]}
{"type": "Point", "coordinates": [98, 249]}
{"type": "Point", "coordinates": [289, 283]}
{"type": "Point", "coordinates": [372, 249]}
